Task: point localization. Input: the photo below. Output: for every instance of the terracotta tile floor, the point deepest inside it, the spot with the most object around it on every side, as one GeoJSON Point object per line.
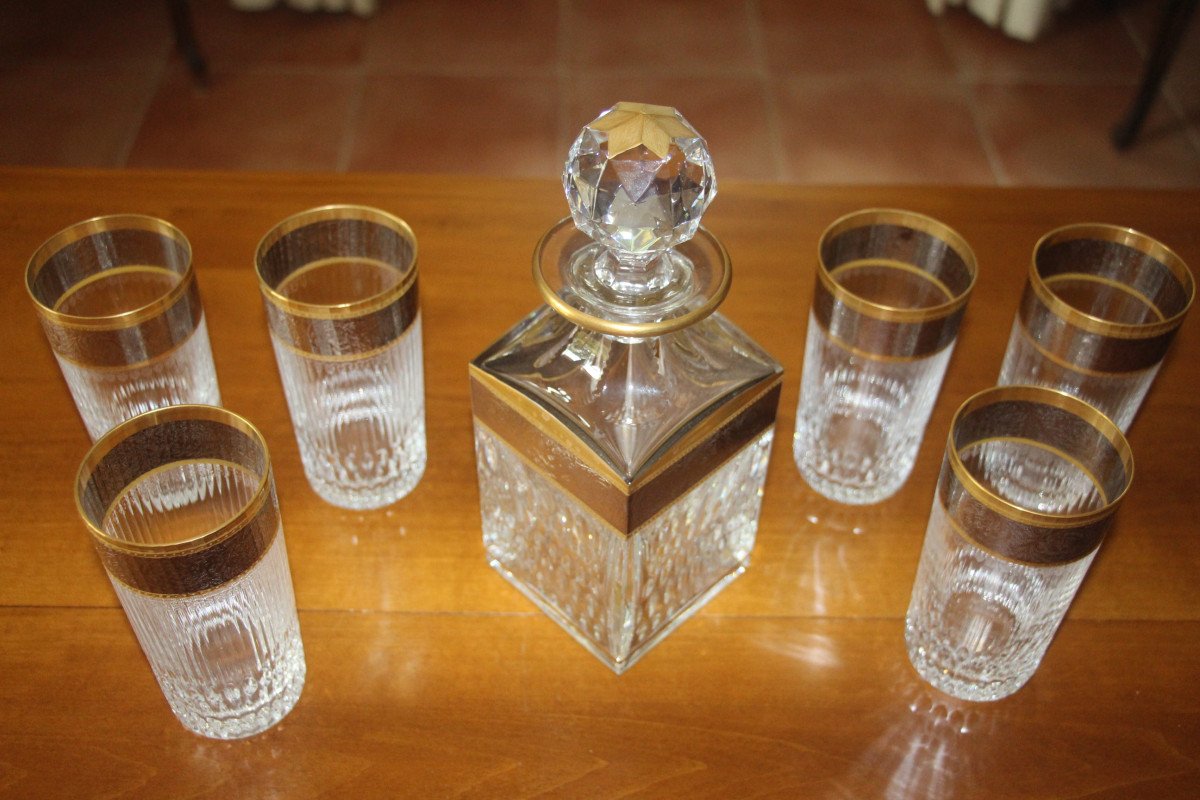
{"type": "Point", "coordinates": [800, 91]}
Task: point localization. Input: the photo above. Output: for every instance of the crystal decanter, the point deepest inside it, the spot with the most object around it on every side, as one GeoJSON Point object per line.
{"type": "Point", "coordinates": [622, 430]}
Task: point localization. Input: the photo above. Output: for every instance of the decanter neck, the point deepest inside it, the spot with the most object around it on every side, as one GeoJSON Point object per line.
{"type": "Point", "coordinates": [580, 280]}
{"type": "Point", "coordinates": [627, 287]}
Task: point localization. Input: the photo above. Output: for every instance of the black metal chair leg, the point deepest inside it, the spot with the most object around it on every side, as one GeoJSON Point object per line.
{"type": "Point", "coordinates": [1170, 31]}
{"type": "Point", "coordinates": [185, 39]}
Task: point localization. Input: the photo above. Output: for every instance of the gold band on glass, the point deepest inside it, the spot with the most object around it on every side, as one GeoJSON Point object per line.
{"type": "Point", "coordinates": [1124, 260]}
{"type": "Point", "coordinates": [346, 338]}
{"type": "Point", "coordinates": [1052, 420]}
{"type": "Point", "coordinates": [916, 244]}
{"type": "Point", "coordinates": [154, 440]}
{"type": "Point", "coordinates": [347, 330]}
{"type": "Point", "coordinates": [703, 248]}
{"type": "Point", "coordinates": [1062, 364]}
{"type": "Point", "coordinates": [109, 246]}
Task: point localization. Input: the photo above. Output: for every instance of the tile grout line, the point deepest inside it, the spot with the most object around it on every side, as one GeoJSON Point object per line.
{"type": "Point", "coordinates": [966, 86]}
{"type": "Point", "coordinates": [345, 152]}
{"type": "Point", "coordinates": [762, 72]}
{"type": "Point", "coordinates": [155, 85]}
{"type": "Point", "coordinates": [1190, 132]}
{"type": "Point", "coordinates": [1138, 45]}
{"type": "Point", "coordinates": [990, 151]}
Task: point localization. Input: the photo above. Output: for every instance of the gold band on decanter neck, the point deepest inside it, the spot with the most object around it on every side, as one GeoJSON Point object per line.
{"type": "Point", "coordinates": [552, 254]}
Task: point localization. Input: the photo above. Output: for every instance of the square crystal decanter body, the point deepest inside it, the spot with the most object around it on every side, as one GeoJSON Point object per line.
{"type": "Point", "coordinates": [621, 479]}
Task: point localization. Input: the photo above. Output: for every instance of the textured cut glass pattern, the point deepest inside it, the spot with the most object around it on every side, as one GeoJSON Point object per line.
{"type": "Point", "coordinates": [107, 397]}
{"type": "Point", "coordinates": [230, 661]}
{"type": "Point", "coordinates": [637, 202]}
{"type": "Point", "coordinates": [1119, 395]}
{"type": "Point", "coordinates": [978, 625]}
{"type": "Point", "coordinates": [860, 420]}
{"type": "Point", "coordinates": [618, 596]}
{"type": "Point", "coordinates": [360, 423]}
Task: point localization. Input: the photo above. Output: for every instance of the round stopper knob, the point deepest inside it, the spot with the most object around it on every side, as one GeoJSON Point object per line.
{"type": "Point", "coordinates": [637, 180]}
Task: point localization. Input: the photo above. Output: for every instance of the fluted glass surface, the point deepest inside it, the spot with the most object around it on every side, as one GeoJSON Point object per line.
{"type": "Point", "coordinates": [359, 422]}
{"type": "Point", "coordinates": [1119, 395]}
{"type": "Point", "coordinates": [106, 397]}
{"type": "Point", "coordinates": [229, 660]}
{"type": "Point", "coordinates": [977, 624]}
{"type": "Point", "coordinates": [860, 420]}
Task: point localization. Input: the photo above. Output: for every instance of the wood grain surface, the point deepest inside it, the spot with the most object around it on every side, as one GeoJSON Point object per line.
{"type": "Point", "coordinates": [429, 676]}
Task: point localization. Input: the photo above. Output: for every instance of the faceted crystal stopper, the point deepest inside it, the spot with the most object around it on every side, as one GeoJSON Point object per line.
{"type": "Point", "coordinates": [637, 180]}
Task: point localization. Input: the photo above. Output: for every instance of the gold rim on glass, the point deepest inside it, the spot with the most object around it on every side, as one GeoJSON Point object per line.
{"type": "Point", "coordinates": [328, 213]}
{"type": "Point", "coordinates": [1128, 237]}
{"type": "Point", "coordinates": [904, 219]}
{"type": "Point", "coordinates": [91, 227]}
{"type": "Point", "coordinates": [149, 419]}
{"type": "Point", "coordinates": [633, 330]}
{"type": "Point", "coordinates": [1056, 399]}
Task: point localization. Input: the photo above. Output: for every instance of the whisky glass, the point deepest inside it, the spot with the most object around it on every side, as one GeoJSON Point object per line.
{"type": "Point", "coordinates": [340, 288]}
{"type": "Point", "coordinates": [890, 293]}
{"type": "Point", "coordinates": [181, 506]}
{"type": "Point", "coordinates": [118, 301]}
{"type": "Point", "coordinates": [1027, 491]}
{"type": "Point", "coordinates": [1100, 309]}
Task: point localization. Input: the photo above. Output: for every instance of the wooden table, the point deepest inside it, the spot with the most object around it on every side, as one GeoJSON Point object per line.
{"type": "Point", "coordinates": [429, 676]}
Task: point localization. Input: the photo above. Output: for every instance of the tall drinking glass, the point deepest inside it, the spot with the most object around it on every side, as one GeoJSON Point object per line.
{"type": "Point", "coordinates": [1028, 488]}
{"type": "Point", "coordinates": [117, 298]}
{"type": "Point", "coordinates": [1099, 311]}
{"type": "Point", "coordinates": [181, 506]}
{"type": "Point", "coordinates": [340, 289]}
{"type": "Point", "coordinates": [891, 290]}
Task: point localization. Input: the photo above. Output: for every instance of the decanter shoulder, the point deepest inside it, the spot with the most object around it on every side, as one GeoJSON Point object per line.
{"type": "Point", "coordinates": [627, 397]}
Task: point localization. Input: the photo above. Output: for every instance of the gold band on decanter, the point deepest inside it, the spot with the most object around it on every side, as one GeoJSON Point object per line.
{"type": "Point", "coordinates": [711, 282]}
{"type": "Point", "coordinates": [1051, 420]}
{"type": "Point", "coordinates": [1126, 264]}
{"type": "Point", "coordinates": [106, 248]}
{"type": "Point", "coordinates": [348, 330]}
{"type": "Point", "coordinates": [557, 452]}
{"type": "Point", "coordinates": [153, 441]}
{"type": "Point", "coordinates": [891, 242]}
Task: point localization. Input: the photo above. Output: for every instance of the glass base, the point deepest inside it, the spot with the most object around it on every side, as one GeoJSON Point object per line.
{"type": "Point", "coordinates": [253, 721]}
{"type": "Point", "coordinates": [107, 397]}
{"type": "Point", "coordinates": [860, 420]}
{"type": "Point", "coordinates": [617, 664]}
{"type": "Point", "coordinates": [359, 422]}
{"type": "Point", "coordinates": [978, 625]}
{"type": "Point", "coordinates": [369, 497]}
{"type": "Point", "coordinates": [964, 687]}
{"type": "Point", "coordinates": [850, 493]}
{"type": "Point", "coordinates": [230, 661]}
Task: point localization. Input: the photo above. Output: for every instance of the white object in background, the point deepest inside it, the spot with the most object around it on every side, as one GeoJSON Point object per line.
{"type": "Point", "coordinates": [363, 8]}
{"type": "Point", "coordinates": [1020, 19]}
